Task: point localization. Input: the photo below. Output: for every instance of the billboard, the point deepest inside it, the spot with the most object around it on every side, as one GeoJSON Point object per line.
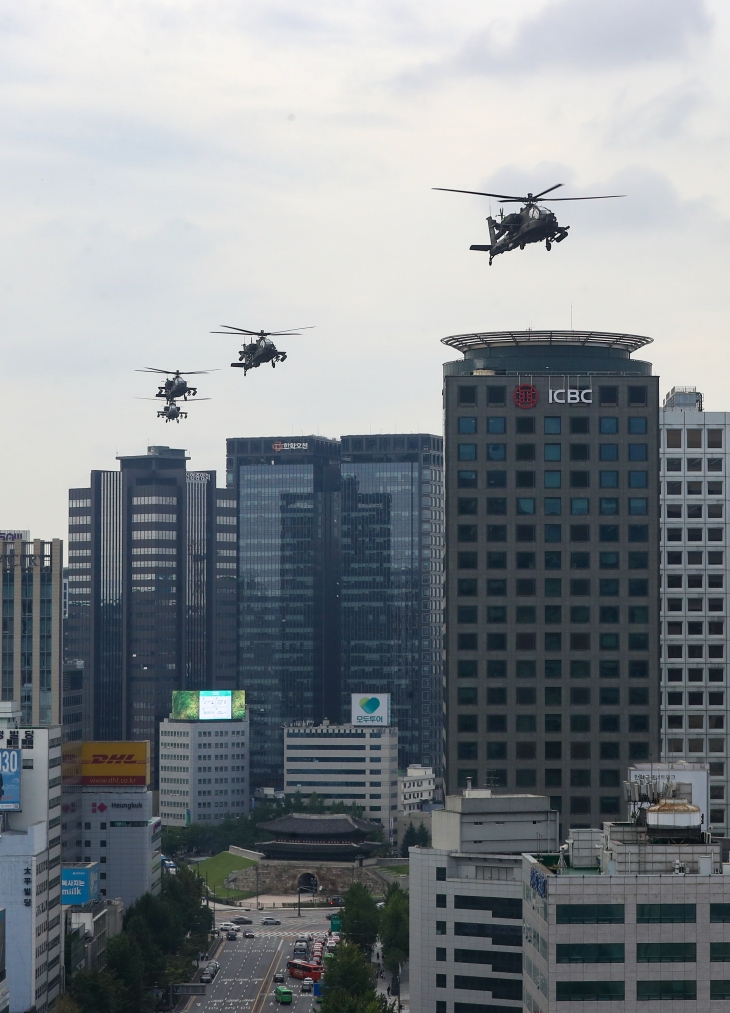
{"type": "Point", "coordinates": [10, 780]}
{"type": "Point", "coordinates": [208, 705]}
{"type": "Point", "coordinates": [115, 763]}
{"type": "Point", "coordinates": [370, 708]}
{"type": "Point", "coordinates": [79, 883]}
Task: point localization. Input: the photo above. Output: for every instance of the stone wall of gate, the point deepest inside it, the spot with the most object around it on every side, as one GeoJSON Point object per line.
{"type": "Point", "coordinates": [283, 877]}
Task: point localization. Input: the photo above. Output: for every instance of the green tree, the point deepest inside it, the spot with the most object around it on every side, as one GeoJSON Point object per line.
{"type": "Point", "coordinates": [125, 961]}
{"type": "Point", "coordinates": [65, 1004]}
{"type": "Point", "coordinates": [349, 975]}
{"type": "Point", "coordinates": [394, 929]}
{"type": "Point", "coordinates": [95, 992]}
{"type": "Point", "coordinates": [410, 840]}
{"type": "Point", "coordinates": [339, 1001]}
{"type": "Point", "coordinates": [423, 838]}
{"type": "Point", "coordinates": [360, 918]}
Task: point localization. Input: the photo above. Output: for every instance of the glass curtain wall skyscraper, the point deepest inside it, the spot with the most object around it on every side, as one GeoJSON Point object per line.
{"type": "Point", "coordinates": [391, 594]}
{"type": "Point", "coordinates": [288, 501]}
{"type": "Point", "coordinates": [142, 579]}
{"type": "Point", "coordinates": [340, 585]}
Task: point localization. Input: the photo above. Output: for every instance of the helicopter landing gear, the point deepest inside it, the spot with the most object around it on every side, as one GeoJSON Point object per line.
{"type": "Point", "coordinates": [548, 245]}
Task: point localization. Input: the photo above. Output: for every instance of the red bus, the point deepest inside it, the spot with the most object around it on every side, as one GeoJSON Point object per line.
{"type": "Point", "coordinates": [303, 969]}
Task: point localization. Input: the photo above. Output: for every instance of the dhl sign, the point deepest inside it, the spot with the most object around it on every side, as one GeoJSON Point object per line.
{"type": "Point", "coordinates": [115, 763]}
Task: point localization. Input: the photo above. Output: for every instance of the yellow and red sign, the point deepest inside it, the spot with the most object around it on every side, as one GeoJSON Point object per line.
{"type": "Point", "coordinates": [115, 763]}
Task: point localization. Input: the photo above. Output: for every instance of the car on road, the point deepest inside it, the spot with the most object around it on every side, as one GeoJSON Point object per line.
{"type": "Point", "coordinates": [279, 976]}
{"type": "Point", "coordinates": [283, 994]}
{"type": "Point", "coordinates": [270, 921]}
{"type": "Point", "coordinates": [226, 927]}
{"type": "Point", "coordinates": [213, 965]}
{"type": "Point", "coordinates": [242, 920]}
{"type": "Point", "coordinates": [248, 935]}
{"type": "Point", "coordinates": [231, 935]}
{"type": "Point", "coordinates": [307, 984]}
{"type": "Point", "coordinates": [336, 901]}
{"type": "Point", "coordinates": [206, 977]}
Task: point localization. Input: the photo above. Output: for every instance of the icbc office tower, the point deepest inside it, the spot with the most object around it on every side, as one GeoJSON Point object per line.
{"type": "Point", "coordinates": [552, 564]}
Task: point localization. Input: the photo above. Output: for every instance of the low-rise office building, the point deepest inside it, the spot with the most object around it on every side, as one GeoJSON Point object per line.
{"type": "Point", "coordinates": [204, 764]}
{"type": "Point", "coordinates": [108, 816]}
{"type": "Point", "coordinates": [635, 913]}
{"type": "Point", "coordinates": [344, 763]}
{"type": "Point", "coordinates": [466, 902]}
{"type": "Point", "coordinates": [88, 929]}
{"type": "Point", "coordinates": [415, 788]}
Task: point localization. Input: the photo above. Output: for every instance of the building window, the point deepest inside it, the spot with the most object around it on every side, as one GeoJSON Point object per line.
{"type": "Point", "coordinates": [589, 953]}
{"type": "Point", "coordinates": [591, 914]}
{"type": "Point", "coordinates": [662, 914]}
{"type": "Point", "coordinates": [666, 953]}
{"type": "Point", "coordinates": [589, 991]}
{"type": "Point", "coordinates": [647, 990]}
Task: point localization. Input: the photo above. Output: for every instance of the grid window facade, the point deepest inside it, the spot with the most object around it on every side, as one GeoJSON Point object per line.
{"type": "Point", "coordinates": [567, 612]}
{"type": "Point", "coordinates": [694, 577]}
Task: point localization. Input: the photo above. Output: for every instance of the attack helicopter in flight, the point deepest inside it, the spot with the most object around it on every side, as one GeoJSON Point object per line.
{"type": "Point", "coordinates": [531, 224]}
{"type": "Point", "coordinates": [254, 353]}
{"type": "Point", "coordinates": [174, 389]}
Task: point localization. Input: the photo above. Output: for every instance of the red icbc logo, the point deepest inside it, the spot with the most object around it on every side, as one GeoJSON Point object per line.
{"type": "Point", "coordinates": [526, 396]}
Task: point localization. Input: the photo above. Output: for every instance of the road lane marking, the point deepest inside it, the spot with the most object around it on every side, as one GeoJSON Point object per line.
{"type": "Point", "coordinates": [264, 988]}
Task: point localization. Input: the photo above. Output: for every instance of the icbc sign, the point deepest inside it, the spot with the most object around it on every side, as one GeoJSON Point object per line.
{"type": "Point", "coordinates": [570, 395]}
{"type": "Point", "coordinates": [526, 396]}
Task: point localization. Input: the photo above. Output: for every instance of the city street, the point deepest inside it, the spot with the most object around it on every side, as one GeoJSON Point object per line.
{"type": "Point", "coordinates": [245, 980]}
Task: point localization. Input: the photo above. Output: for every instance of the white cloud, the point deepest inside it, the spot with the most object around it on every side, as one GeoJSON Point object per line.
{"type": "Point", "coordinates": [171, 165]}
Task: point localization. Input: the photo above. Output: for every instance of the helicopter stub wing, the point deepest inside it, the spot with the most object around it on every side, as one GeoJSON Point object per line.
{"type": "Point", "coordinates": [477, 246]}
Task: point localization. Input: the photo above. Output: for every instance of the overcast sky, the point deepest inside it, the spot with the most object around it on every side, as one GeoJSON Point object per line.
{"type": "Point", "coordinates": [168, 166]}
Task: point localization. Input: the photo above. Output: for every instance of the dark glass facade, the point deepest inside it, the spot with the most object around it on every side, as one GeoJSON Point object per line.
{"type": "Point", "coordinates": [552, 568]}
{"type": "Point", "coordinates": [288, 496]}
{"type": "Point", "coordinates": [142, 592]}
{"type": "Point", "coordinates": [340, 585]}
{"type": "Point", "coordinates": [392, 583]}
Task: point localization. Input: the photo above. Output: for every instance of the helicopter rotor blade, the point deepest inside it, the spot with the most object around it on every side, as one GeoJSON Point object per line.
{"type": "Point", "coordinates": [549, 190]}
{"type": "Point", "coordinates": [176, 372]}
{"type": "Point", "coordinates": [237, 330]}
{"type": "Point", "coordinates": [266, 334]}
{"type": "Point", "coordinates": [603, 196]}
{"type": "Point", "coordinates": [480, 193]}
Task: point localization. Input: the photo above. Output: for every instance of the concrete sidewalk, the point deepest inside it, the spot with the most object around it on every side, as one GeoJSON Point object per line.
{"type": "Point", "coordinates": [383, 983]}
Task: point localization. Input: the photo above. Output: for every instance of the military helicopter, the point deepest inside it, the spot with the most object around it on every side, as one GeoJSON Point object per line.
{"type": "Point", "coordinates": [255, 353]}
{"type": "Point", "coordinates": [531, 224]}
{"type": "Point", "coordinates": [173, 389]}
{"type": "Point", "coordinates": [174, 386]}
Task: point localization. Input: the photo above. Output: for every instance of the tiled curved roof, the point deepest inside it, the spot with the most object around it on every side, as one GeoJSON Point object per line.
{"type": "Point", "coordinates": [317, 826]}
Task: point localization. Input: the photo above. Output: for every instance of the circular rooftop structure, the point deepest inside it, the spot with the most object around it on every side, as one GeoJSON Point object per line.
{"type": "Point", "coordinates": [575, 352]}
{"type": "Point", "coordinates": [511, 339]}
